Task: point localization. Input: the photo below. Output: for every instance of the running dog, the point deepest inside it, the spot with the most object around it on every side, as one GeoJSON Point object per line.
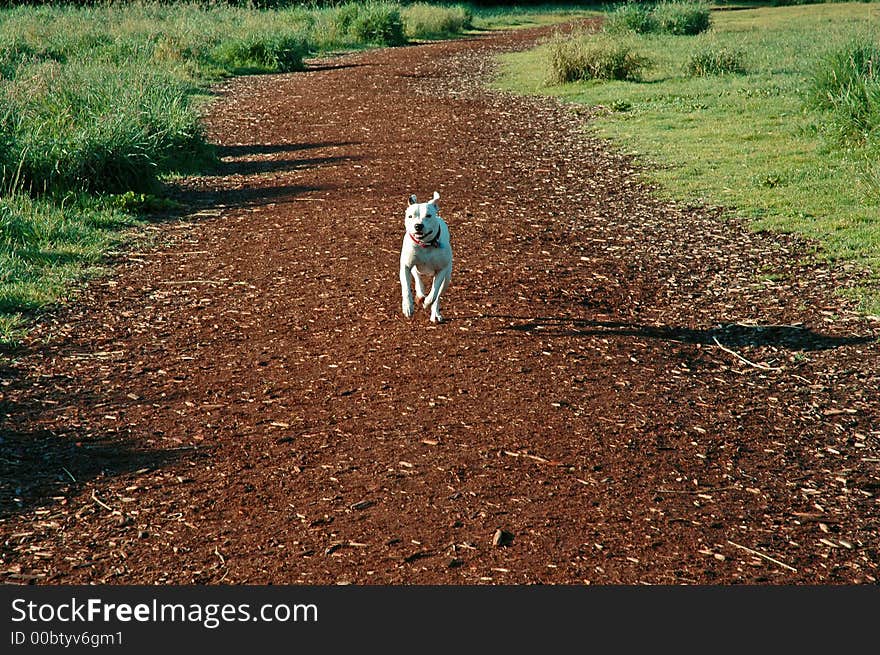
{"type": "Point", "coordinates": [426, 251]}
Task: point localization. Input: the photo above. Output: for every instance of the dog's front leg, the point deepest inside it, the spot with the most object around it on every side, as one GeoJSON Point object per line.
{"type": "Point", "coordinates": [438, 286]}
{"type": "Point", "coordinates": [406, 291]}
{"type": "Point", "coordinates": [420, 288]}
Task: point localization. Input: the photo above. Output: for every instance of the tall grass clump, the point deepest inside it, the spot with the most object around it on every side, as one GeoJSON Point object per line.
{"type": "Point", "coordinates": [426, 21]}
{"type": "Point", "coordinates": [677, 17]}
{"type": "Point", "coordinates": [96, 127]}
{"type": "Point", "coordinates": [268, 52]}
{"type": "Point", "coordinates": [635, 17]}
{"type": "Point", "coordinates": [682, 18]}
{"type": "Point", "coordinates": [368, 23]}
{"type": "Point", "coordinates": [715, 60]}
{"type": "Point", "coordinates": [846, 85]}
{"type": "Point", "coordinates": [583, 56]}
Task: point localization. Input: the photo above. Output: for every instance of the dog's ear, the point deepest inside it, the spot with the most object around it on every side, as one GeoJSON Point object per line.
{"type": "Point", "coordinates": [412, 199]}
{"type": "Point", "coordinates": [435, 198]}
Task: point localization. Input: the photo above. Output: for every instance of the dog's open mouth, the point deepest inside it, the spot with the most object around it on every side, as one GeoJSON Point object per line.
{"type": "Point", "coordinates": [425, 240]}
{"type": "Point", "coordinates": [421, 233]}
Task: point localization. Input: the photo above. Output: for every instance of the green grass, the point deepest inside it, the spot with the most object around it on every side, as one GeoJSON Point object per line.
{"type": "Point", "coordinates": [711, 59]}
{"type": "Point", "coordinates": [748, 141]}
{"type": "Point", "coordinates": [46, 247]}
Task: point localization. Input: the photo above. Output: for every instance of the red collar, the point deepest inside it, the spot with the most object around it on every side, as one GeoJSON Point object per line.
{"type": "Point", "coordinates": [434, 243]}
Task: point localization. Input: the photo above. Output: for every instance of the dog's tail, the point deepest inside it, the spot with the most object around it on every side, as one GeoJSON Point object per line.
{"type": "Point", "coordinates": [435, 198]}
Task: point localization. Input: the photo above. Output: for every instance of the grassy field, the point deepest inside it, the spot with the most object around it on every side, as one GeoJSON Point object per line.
{"type": "Point", "coordinates": [751, 138]}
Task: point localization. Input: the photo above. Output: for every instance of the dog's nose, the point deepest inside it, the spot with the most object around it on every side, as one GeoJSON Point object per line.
{"type": "Point", "coordinates": [417, 227]}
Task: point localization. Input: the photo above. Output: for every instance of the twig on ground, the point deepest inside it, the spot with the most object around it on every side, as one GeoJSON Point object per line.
{"type": "Point", "coordinates": [759, 554]}
{"type": "Point", "coordinates": [101, 503]}
{"type": "Point", "coordinates": [694, 491]}
{"type": "Point", "coordinates": [743, 359]}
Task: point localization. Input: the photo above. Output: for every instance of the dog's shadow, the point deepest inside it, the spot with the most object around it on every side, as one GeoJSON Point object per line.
{"type": "Point", "coordinates": [788, 337]}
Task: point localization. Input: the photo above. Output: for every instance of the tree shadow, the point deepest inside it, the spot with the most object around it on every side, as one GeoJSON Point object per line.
{"type": "Point", "coordinates": [201, 201]}
{"type": "Point", "coordinates": [37, 466]}
{"type": "Point", "coordinates": [262, 166]}
{"type": "Point", "coordinates": [248, 149]}
{"type": "Point", "coordinates": [204, 192]}
{"type": "Point", "coordinates": [790, 337]}
{"type": "Point", "coordinates": [39, 461]}
{"type": "Point", "coordinates": [321, 66]}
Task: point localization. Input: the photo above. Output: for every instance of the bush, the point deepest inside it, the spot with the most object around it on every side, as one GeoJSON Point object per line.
{"type": "Point", "coordinates": [587, 56]}
{"type": "Point", "coordinates": [678, 17]}
{"type": "Point", "coordinates": [631, 17]}
{"type": "Point", "coordinates": [263, 53]}
{"type": "Point", "coordinates": [373, 23]}
{"type": "Point", "coordinates": [425, 21]}
{"type": "Point", "coordinates": [682, 18]}
{"type": "Point", "coordinates": [846, 84]}
{"type": "Point", "coordinates": [715, 60]}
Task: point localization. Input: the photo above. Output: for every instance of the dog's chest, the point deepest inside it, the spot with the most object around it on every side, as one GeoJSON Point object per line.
{"type": "Point", "coordinates": [431, 259]}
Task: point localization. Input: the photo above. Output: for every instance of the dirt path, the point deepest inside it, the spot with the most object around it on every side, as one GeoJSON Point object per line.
{"type": "Point", "coordinates": [244, 403]}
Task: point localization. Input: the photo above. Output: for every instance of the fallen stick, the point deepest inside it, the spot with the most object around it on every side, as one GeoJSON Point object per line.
{"type": "Point", "coordinates": [694, 491]}
{"type": "Point", "coordinates": [102, 504]}
{"type": "Point", "coordinates": [743, 359]}
{"type": "Point", "coordinates": [759, 554]}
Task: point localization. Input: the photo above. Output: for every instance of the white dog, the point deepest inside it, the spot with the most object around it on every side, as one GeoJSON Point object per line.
{"type": "Point", "coordinates": [426, 250]}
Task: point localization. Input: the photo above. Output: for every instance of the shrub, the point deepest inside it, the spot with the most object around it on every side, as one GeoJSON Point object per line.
{"type": "Point", "coordinates": [374, 23]}
{"type": "Point", "coordinates": [631, 17]}
{"type": "Point", "coordinates": [846, 84]}
{"type": "Point", "coordinates": [264, 53]}
{"type": "Point", "coordinates": [715, 60]}
{"type": "Point", "coordinates": [682, 18]}
{"type": "Point", "coordinates": [588, 56]}
{"type": "Point", "coordinates": [678, 17]}
{"type": "Point", "coordinates": [425, 21]}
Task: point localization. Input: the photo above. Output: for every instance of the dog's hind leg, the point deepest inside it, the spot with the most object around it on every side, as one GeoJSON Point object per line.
{"type": "Point", "coordinates": [420, 289]}
{"type": "Point", "coordinates": [441, 281]}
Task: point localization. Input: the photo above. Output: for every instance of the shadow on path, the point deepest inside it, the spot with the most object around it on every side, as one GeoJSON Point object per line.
{"type": "Point", "coordinates": [791, 337]}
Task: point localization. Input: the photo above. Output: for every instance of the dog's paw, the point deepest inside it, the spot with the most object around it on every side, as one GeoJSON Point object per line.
{"type": "Point", "coordinates": [407, 308]}
{"type": "Point", "coordinates": [436, 318]}
{"type": "Point", "coordinates": [419, 299]}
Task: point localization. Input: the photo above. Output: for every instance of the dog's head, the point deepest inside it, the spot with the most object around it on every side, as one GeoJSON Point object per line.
{"type": "Point", "coordinates": [423, 218]}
